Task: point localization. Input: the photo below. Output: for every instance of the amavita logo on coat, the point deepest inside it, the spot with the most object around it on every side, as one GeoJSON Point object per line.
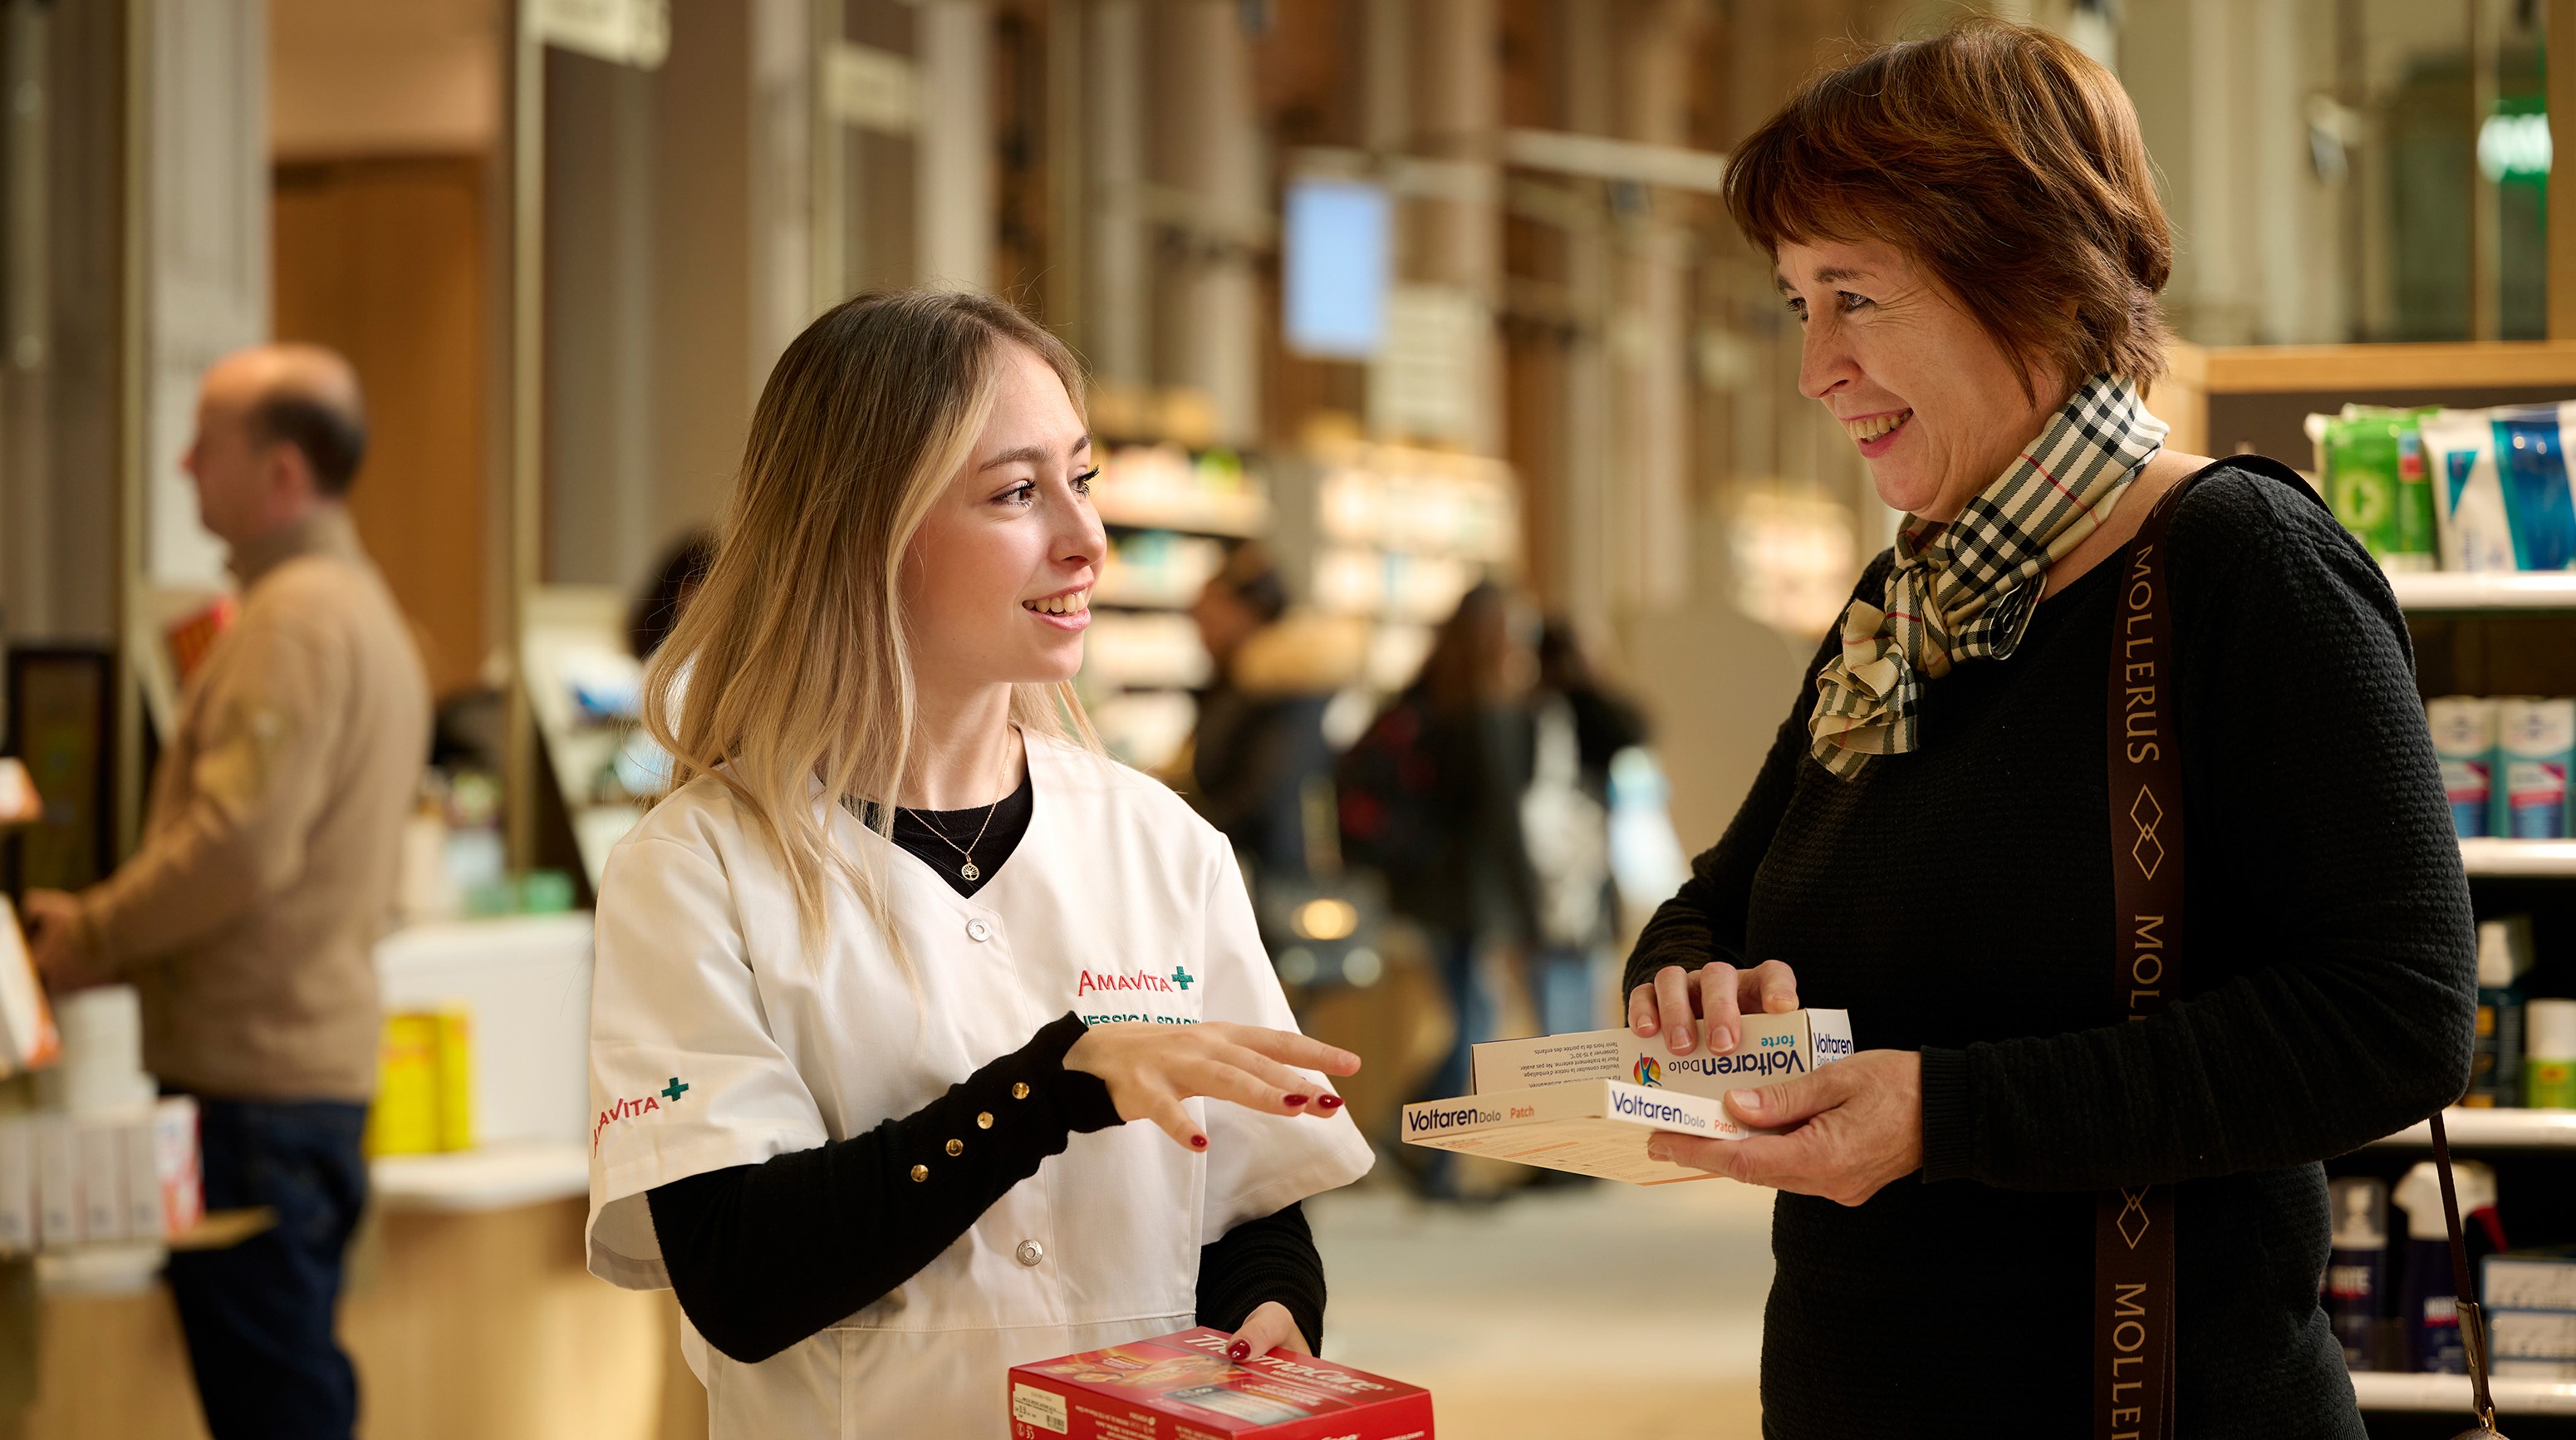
{"type": "Point", "coordinates": [629, 1108]}
{"type": "Point", "coordinates": [1104, 982]}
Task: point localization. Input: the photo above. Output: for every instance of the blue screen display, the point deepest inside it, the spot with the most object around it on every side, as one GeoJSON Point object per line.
{"type": "Point", "coordinates": [1337, 248]}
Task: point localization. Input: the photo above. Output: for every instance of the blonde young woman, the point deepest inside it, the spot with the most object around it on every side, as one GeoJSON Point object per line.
{"type": "Point", "coordinates": [881, 982]}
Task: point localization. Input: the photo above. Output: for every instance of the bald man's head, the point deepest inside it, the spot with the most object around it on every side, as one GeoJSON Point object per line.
{"type": "Point", "coordinates": [279, 429]}
{"type": "Point", "coordinates": [301, 395]}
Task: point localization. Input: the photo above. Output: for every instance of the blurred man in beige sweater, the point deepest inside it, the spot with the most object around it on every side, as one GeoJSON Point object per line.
{"type": "Point", "coordinates": [266, 873]}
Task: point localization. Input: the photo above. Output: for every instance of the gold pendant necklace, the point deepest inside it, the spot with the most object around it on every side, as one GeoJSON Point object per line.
{"type": "Point", "coordinates": [966, 871]}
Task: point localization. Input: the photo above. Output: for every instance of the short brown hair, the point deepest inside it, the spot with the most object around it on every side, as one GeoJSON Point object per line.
{"type": "Point", "coordinates": [2006, 162]}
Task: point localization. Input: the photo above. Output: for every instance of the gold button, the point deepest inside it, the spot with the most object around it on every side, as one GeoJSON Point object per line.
{"type": "Point", "coordinates": [956, 1147]}
{"type": "Point", "coordinates": [1020, 1090]}
{"type": "Point", "coordinates": [920, 1173]}
{"type": "Point", "coordinates": [984, 1121]}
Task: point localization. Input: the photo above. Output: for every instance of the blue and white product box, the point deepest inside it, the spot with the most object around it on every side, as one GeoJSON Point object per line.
{"type": "Point", "coordinates": [1587, 1127]}
{"type": "Point", "coordinates": [2464, 741]}
{"type": "Point", "coordinates": [2529, 1282]}
{"type": "Point", "coordinates": [2532, 1335]}
{"type": "Point", "coordinates": [1773, 1047]}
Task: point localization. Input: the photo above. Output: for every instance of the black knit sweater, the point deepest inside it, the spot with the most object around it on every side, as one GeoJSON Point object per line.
{"type": "Point", "coordinates": [1957, 900]}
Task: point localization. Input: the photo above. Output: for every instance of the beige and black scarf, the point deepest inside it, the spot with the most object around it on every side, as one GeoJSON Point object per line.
{"type": "Point", "coordinates": [1965, 590]}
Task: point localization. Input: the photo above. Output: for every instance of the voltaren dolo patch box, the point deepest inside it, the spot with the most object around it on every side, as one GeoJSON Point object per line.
{"type": "Point", "coordinates": [1181, 1387]}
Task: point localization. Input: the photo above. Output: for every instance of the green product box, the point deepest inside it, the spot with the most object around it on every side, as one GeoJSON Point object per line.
{"type": "Point", "coordinates": [2372, 458]}
{"type": "Point", "coordinates": [2549, 1084]}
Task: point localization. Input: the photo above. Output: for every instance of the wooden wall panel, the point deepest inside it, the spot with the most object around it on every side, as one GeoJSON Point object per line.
{"type": "Point", "coordinates": [384, 261]}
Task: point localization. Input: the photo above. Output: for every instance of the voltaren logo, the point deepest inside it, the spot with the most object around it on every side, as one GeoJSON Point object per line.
{"type": "Point", "coordinates": [1648, 1072]}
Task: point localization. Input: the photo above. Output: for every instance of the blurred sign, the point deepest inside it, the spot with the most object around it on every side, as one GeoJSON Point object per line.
{"type": "Point", "coordinates": [872, 89]}
{"type": "Point", "coordinates": [622, 32]}
{"type": "Point", "coordinates": [1338, 243]}
{"type": "Point", "coordinates": [1423, 384]}
{"type": "Point", "coordinates": [2514, 147]}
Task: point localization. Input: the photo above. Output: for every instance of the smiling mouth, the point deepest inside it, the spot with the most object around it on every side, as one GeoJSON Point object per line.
{"type": "Point", "coordinates": [1872, 427]}
{"type": "Point", "coordinates": [1076, 603]}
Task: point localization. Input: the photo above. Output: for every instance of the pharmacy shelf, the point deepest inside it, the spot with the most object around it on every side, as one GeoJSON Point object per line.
{"type": "Point", "coordinates": [2453, 590]}
{"type": "Point", "coordinates": [2514, 1396]}
{"type": "Point", "coordinates": [498, 1177]}
{"type": "Point", "coordinates": [1234, 516]}
{"type": "Point", "coordinates": [2526, 858]}
{"type": "Point", "coordinates": [2493, 1130]}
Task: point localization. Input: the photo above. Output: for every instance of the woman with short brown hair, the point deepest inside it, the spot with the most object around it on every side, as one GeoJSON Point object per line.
{"type": "Point", "coordinates": [2065, 1075]}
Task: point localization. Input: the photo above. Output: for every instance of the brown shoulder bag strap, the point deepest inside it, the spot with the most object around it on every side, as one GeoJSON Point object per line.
{"type": "Point", "coordinates": [2133, 1230]}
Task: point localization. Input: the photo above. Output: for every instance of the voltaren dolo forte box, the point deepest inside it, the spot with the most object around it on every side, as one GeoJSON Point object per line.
{"type": "Point", "coordinates": [1588, 1102]}
{"type": "Point", "coordinates": [1181, 1387]}
{"type": "Point", "coordinates": [1773, 1047]}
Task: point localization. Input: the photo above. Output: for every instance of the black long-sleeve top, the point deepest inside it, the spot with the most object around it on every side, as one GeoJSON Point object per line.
{"type": "Point", "coordinates": [1957, 900]}
{"type": "Point", "coordinates": [764, 1256]}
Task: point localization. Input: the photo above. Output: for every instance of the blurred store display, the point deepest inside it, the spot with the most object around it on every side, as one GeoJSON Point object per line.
{"type": "Point", "coordinates": [584, 690]}
{"type": "Point", "coordinates": [1795, 555]}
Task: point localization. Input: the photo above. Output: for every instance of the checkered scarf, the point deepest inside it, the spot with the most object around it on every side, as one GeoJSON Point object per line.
{"type": "Point", "coordinates": [1964, 590]}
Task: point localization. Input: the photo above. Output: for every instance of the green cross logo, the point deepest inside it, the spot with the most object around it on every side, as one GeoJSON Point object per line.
{"type": "Point", "coordinates": [1182, 977]}
{"type": "Point", "coordinates": [673, 1091]}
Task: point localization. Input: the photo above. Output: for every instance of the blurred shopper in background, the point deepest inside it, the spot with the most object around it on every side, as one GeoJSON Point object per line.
{"type": "Point", "coordinates": [1260, 734]}
{"type": "Point", "coordinates": [657, 609]}
{"type": "Point", "coordinates": [248, 916]}
{"type": "Point", "coordinates": [1577, 725]}
{"type": "Point", "coordinates": [1431, 798]}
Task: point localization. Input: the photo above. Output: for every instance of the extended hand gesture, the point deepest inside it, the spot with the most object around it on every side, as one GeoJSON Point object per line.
{"type": "Point", "coordinates": [1151, 1069]}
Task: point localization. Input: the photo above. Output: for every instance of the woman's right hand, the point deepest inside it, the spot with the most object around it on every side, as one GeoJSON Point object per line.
{"type": "Point", "coordinates": [1150, 1069]}
{"type": "Point", "coordinates": [1717, 994]}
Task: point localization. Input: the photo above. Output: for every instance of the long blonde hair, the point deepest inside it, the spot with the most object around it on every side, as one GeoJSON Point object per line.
{"type": "Point", "coordinates": [790, 666]}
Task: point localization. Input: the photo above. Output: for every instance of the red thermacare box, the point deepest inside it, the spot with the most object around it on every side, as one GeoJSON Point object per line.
{"type": "Point", "coordinates": [1181, 1387]}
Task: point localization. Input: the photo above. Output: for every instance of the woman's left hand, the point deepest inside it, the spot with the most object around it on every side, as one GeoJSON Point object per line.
{"type": "Point", "coordinates": [1268, 1328]}
{"type": "Point", "coordinates": [1863, 1127]}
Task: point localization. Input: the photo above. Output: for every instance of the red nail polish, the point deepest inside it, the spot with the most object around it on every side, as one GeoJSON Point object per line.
{"type": "Point", "coordinates": [1238, 1351]}
{"type": "Point", "coordinates": [1294, 1099]}
{"type": "Point", "coordinates": [1330, 1102]}
{"type": "Point", "coordinates": [1198, 1142]}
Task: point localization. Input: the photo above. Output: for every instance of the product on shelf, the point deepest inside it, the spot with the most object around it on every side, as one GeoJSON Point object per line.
{"type": "Point", "coordinates": [1163, 487]}
{"type": "Point", "coordinates": [1144, 651]}
{"type": "Point", "coordinates": [2501, 488]}
{"type": "Point", "coordinates": [2549, 1055]}
{"type": "Point", "coordinates": [2372, 459]}
{"type": "Point", "coordinates": [2464, 740]}
{"type": "Point", "coordinates": [424, 1084]}
{"type": "Point", "coordinates": [1157, 569]}
{"type": "Point", "coordinates": [2429, 1306]}
{"type": "Point", "coordinates": [2356, 1288]}
{"type": "Point", "coordinates": [2543, 1336]}
{"type": "Point", "coordinates": [2495, 1065]}
{"type": "Point", "coordinates": [1182, 1387]}
{"type": "Point", "coordinates": [2531, 1314]}
{"type": "Point", "coordinates": [122, 1177]}
{"type": "Point", "coordinates": [2541, 1281]}
{"type": "Point", "coordinates": [2535, 745]}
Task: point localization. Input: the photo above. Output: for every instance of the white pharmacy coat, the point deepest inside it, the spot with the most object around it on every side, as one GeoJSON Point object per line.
{"type": "Point", "coordinates": [718, 1039]}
